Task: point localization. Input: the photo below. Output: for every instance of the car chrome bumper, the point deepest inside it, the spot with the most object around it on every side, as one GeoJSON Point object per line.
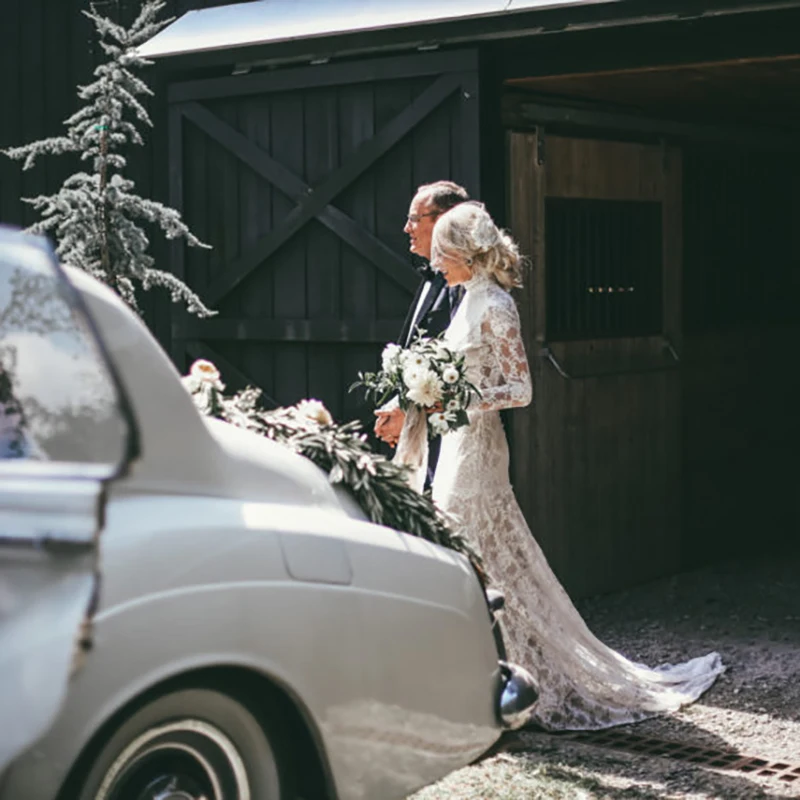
{"type": "Point", "coordinates": [517, 697]}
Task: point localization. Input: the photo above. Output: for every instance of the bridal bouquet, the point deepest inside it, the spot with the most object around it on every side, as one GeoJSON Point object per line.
{"type": "Point", "coordinates": [426, 376]}
{"type": "Point", "coordinates": [430, 384]}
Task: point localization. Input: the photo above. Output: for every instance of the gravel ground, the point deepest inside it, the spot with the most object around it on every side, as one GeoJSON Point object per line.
{"type": "Point", "coordinates": [747, 610]}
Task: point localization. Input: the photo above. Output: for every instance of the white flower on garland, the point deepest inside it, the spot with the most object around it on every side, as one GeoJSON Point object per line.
{"type": "Point", "coordinates": [426, 389]}
{"type": "Point", "coordinates": [205, 371]}
{"type": "Point", "coordinates": [379, 486]}
{"type": "Point", "coordinates": [205, 386]}
{"type": "Point", "coordinates": [202, 373]}
{"type": "Point", "coordinates": [315, 411]}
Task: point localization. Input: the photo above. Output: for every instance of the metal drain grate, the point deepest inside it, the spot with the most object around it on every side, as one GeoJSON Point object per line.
{"type": "Point", "coordinates": [728, 760]}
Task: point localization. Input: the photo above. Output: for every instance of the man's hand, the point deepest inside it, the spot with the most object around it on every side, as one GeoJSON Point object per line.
{"type": "Point", "coordinates": [389, 424]}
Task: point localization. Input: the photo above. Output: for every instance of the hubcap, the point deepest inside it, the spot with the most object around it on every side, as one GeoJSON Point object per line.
{"type": "Point", "coordinates": [173, 787]}
{"type": "Point", "coordinates": [185, 760]}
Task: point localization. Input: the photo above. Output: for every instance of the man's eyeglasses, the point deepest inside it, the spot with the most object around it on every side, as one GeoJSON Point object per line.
{"type": "Point", "coordinates": [413, 219]}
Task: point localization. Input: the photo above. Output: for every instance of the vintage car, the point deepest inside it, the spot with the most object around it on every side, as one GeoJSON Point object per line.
{"type": "Point", "coordinates": [256, 638]}
{"type": "Point", "coordinates": [50, 488]}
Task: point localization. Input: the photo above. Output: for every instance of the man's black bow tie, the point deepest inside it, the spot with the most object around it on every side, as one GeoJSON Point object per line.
{"type": "Point", "coordinates": [426, 272]}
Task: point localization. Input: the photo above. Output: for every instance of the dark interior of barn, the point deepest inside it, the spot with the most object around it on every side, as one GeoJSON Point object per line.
{"type": "Point", "coordinates": [724, 99]}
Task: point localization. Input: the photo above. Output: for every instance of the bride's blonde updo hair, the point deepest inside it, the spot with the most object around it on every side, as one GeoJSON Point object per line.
{"type": "Point", "coordinates": [469, 232]}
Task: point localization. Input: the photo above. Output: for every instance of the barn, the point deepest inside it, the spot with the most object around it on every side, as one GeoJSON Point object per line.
{"type": "Point", "coordinates": [645, 155]}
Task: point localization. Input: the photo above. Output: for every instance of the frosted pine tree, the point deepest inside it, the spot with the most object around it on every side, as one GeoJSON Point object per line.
{"type": "Point", "coordinates": [94, 216]}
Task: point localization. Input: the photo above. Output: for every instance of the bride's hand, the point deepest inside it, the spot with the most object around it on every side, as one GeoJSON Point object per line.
{"type": "Point", "coordinates": [389, 424]}
{"type": "Point", "coordinates": [437, 408]}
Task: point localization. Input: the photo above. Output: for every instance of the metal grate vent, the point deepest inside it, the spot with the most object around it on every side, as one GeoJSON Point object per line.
{"type": "Point", "coordinates": [604, 268]}
{"type": "Point", "coordinates": [729, 760]}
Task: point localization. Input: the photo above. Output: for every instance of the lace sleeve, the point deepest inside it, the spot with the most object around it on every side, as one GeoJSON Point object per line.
{"type": "Point", "coordinates": [505, 380]}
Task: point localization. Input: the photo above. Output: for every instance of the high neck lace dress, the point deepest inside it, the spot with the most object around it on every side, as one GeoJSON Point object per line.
{"type": "Point", "coordinates": [583, 684]}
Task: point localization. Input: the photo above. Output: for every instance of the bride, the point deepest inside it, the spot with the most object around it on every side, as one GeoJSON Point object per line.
{"type": "Point", "coordinates": [583, 684]}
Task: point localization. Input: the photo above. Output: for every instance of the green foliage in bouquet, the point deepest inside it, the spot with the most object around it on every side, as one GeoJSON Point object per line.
{"type": "Point", "coordinates": [380, 487]}
{"type": "Point", "coordinates": [426, 374]}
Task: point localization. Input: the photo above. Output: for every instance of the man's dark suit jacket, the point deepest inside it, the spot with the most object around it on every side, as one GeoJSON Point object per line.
{"type": "Point", "coordinates": [435, 312]}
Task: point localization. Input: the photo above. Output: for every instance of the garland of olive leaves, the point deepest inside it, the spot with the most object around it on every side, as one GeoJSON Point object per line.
{"type": "Point", "coordinates": [379, 486]}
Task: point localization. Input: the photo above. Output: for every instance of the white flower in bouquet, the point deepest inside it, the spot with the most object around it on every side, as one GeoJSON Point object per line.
{"type": "Point", "coordinates": [426, 390]}
{"type": "Point", "coordinates": [412, 358]}
{"type": "Point", "coordinates": [438, 423]}
{"type": "Point", "coordinates": [411, 376]}
{"type": "Point", "coordinates": [450, 374]}
{"type": "Point", "coordinates": [315, 411]}
{"type": "Point", "coordinates": [390, 358]}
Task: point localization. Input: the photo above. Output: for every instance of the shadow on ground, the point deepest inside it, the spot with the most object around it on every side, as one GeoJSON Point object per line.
{"type": "Point", "coordinates": [749, 611]}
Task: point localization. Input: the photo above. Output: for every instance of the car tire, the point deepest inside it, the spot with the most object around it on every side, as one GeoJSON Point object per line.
{"type": "Point", "coordinates": [193, 743]}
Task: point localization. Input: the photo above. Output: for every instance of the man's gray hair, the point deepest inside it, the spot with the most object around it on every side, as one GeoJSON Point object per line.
{"type": "Point", "coordinates": [443, 195]}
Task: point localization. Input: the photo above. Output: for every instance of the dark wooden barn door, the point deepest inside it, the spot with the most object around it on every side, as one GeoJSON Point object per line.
{"type": "Point", "coordinates": [300, 180]}
{"type": "Point", "coordinates": [599, 452]}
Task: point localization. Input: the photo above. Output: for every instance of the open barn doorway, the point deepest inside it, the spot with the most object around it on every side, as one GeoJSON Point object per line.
{"type": "Point", "coordinates": [721, 269]}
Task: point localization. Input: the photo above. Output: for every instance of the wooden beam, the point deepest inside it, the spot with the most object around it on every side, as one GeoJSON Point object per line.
{"type": "Point", "coordinates": [524, 111]}
{"type": "Point", "coordinates": [672, 42]}
{"type": "Point", "coordinates": [530, 82]}
{"type": "Point", "coordinates": [236, 271]}
{"type": "Point", "coordinates": [176, 246]}
{"type": "Point", "coordinates": [289, 330]}
{"type": "Point", "coordinates": [388, 261]}
{"type": "Point", "coordinates": [417, 66]}
{"type": "Point", "coordinates": [470, 132]}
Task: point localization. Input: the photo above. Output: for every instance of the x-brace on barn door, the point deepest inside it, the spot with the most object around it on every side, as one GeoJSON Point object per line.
{"type": "Point", "coordinates": [300, 179]}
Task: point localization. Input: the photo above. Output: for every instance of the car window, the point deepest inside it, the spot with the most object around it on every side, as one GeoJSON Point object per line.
{"type": "Point", "coordinates": [58, 402]}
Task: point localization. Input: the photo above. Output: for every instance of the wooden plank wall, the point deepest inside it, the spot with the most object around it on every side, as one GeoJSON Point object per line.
{"type": "Point", "coordinates": [47, 49]}
{"type": "Point", "coordinates": [596, 462]}
{"type": "Point", "coordinates": [318, 309]}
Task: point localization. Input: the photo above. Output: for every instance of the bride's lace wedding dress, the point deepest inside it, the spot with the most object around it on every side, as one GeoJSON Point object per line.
{"type": "Point", "coordinates": [583, 684]}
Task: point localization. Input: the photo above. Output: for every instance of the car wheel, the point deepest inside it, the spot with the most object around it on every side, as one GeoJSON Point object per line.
{"type": "Point", "coordinates": [194, 744]}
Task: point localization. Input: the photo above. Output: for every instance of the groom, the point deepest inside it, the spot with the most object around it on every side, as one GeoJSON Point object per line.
{"type": "Point", "coordinates": [434, 303]}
